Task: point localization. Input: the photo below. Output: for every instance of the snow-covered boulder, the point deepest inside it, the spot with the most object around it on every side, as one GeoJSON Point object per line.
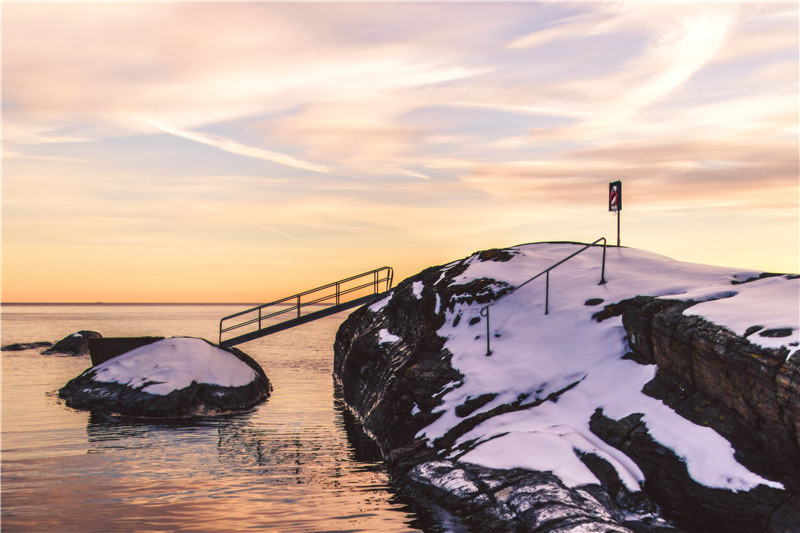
{"type": "Point", "coordinates": [74, 344]}
{"type": "Point", "coordinates": [673, 386]}
{"type": "Point", "coordinates": [177, 376]}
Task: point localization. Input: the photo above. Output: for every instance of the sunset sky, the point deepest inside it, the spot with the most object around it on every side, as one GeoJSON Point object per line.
{"type": "Point", "coordinates": [210, 152]}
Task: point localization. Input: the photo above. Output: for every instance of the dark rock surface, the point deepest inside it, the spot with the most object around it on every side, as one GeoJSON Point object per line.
{"type": "Point", "coordinates": [20, 346]}
{"type": "Point", "coordinates": [75, 344]}
{"type": "Point", "coordinates": [748, 394]}
{"type": "Point", "coordinates": [707, 374]}
{"type": "Point", "coordinates": [383, 383]}
{"type": "Point", "coordinates": [83, 392]}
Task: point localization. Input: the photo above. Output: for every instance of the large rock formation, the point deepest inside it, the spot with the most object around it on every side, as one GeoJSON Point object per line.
{"type": "Point", "coordinates": [395, 371]}
{"type": "Point", "coordinates": [171, 377]}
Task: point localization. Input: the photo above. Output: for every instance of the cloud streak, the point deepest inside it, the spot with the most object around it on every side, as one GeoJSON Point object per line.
{"type": "Point", "coordinates": [227, 145]}
{"type": "Point", "coordinates": [405, 133]}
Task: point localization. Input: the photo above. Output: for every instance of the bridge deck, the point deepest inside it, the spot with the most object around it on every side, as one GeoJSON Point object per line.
{"type": "Point", "coordinates": [315, 315]}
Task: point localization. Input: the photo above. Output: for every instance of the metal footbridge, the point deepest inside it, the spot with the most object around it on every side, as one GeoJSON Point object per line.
{"type": "Point", "coordinates": [304, 307]}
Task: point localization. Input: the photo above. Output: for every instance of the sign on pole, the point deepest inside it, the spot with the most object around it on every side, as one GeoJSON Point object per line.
{"type": "Point", "coordinates": [615, 196]}
{"type": "Point", "coordinates": [615, 201]}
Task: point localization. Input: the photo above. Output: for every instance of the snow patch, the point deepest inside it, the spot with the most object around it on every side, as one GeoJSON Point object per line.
{"type": "Point", "coordinates": [173, 364]}
{"type": "Point", "coordinates": [385, 337]}
{"type": "Point", "coordinates": [417, 287]}
{"type": "Point", "coordinates": [773, 303]}
{"type": "Point", "coordinates": [380, 304]}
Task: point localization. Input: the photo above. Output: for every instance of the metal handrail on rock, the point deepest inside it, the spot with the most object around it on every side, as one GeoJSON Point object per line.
{"type": "Point", "coordinates": [546, 272]}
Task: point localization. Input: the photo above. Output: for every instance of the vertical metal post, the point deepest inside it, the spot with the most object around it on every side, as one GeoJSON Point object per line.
{"type": "Point", "coordinates": [298, 306]}
{"type": "Point", "coordinates": [488, 334]}
{"type": "Point", "coordinates": [547, 292]}
{"type": "Point", "coordinates": [603, 268]}
{"type": "Point", "coordinates": [376, 282]}
{"type": "Point", "coordinates": [618, 227]}
{"type": "Point", "coordinates": [259, 318]}
{"type": "Point", "coordinates": [337, 293]}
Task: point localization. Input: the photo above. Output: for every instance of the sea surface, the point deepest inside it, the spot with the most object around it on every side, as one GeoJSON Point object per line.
{"type": "Point", "coordinates": [287, 465]}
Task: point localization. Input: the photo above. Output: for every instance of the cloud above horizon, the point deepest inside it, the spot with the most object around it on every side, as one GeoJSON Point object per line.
{"type": "Point", "coordinates": [446, 127]}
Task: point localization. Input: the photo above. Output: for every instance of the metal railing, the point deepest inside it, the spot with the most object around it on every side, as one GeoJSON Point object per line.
{"type": "Point", "coordinates": [546, 272]}
{"type": "Point", "coordinates": [294, 304]}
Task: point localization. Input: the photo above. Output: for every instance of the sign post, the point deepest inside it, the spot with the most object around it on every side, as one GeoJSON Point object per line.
{"type": "Point", "coordinates": [615, 201]}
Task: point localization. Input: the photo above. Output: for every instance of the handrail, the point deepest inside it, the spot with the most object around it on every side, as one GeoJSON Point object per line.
{"type": "Point", "coordinates": [546, 272]}
{"type": "Point", "coordinates": [379, 277]}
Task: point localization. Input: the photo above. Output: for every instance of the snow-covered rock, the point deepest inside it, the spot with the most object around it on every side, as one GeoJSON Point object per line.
{"type": "Point", "coordinates": [673, 384]}
{"type": "Point", "coordinates": [172, 377]}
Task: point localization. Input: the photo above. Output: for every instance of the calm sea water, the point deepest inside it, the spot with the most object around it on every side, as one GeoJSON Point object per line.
{"type": "Point", "coordinates": [287, 465]}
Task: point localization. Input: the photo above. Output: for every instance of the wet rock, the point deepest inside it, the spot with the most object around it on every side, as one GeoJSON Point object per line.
{"type": "Point", "coordinates": [20, 346]}
{"type": "Point", "coordinates": [75, 344]}
{"type": "Point", "coordinates": [170, 378]}
{"type": "Point", "coordinates": [707, 374]}
{"type": "Point", "coordinates": [393, 389]}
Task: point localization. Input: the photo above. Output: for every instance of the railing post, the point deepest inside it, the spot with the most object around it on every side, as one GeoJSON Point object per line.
{"type": "Point", "coordinates": [259, 318]}
{"type": "Point", "coordinates": [488, 331]}
{"type": "Point", "coordinates": [298, 306]}
{"type": "Point", "coordinates": [337, 293]}
{"type": "Point", "coordinates": [376, 282]}
{"type": "Point", "coordinates": [547, 292]}
{"type": "Point", "coordinates": [603, 269]}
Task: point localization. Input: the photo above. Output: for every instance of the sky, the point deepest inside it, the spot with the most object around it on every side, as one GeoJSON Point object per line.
{"type": "Point", "coordinates": [241, 152]}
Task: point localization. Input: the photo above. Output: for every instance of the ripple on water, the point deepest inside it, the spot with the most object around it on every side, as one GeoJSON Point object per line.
{"type": "Point", "coordinates": [286, 465]}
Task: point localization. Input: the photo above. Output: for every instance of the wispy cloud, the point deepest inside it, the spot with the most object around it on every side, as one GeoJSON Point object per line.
{"type": "Point", "coordinates": [390, 128]}
{"type": "Point", "coordinates": [233, 147]}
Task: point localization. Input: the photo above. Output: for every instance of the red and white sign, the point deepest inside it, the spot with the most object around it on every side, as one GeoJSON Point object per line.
{"type": "Point", "coordinates": [615, 196]}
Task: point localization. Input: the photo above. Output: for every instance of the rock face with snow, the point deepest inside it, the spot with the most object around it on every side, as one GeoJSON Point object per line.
{"type": "Point", "coordinates": [75, 344]}
{"type": "Point", "coordinates": [671, 391]}
{"type": "Point", "coordinates": [178, 376]}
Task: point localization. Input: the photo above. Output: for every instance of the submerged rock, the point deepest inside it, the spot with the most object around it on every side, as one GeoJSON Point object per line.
{"type": "Point", "coordinates": [414, 372]}
{"type": "Point", "coordinates": [178, 376]}
{"type": "Point", "coordinates": [75, 344]}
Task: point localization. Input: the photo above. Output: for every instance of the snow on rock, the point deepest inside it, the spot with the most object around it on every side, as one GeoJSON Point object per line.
{"type": "Point", "coordinates": [173, 364]}
{"type": "Point", "coordinates": [173, 376]}
{"type": "Point", "coordinates": [380, 304]}
{"type": "Point", "coordinates": [416, 287]}
{"type": "Point", "coordinates": [386, 337]}
{"type": "Point", "coordinates": [537, 355]}
{"type": "Point", "coordinates": [567, 395]}
{"type": "Point", "coordinates": [769, 306]}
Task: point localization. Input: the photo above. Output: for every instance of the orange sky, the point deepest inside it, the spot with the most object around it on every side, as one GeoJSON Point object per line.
{"type": "Point", "coordinates": [210, 152]}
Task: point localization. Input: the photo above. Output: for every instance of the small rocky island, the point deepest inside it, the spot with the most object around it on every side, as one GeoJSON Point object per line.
{"type": "Point", "coordinates": [178, 376]}
{"type": "Point", "coordinates": [665, 399]}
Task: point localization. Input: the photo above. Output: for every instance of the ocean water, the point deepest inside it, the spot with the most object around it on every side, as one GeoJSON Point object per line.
{"type": "Point", "coordinates": [287, 465]}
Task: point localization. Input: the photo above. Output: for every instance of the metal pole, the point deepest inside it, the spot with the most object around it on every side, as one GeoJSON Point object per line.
{"type": "Point", "coordinates": [259, 318]}
{"type": "Point", "coordinates": [603, 268]}
{"type": "Point", "coordinates": [547, 292]}
{"type": "Point", "coordinates": [337, 293]}
{"type": "Point", "coordinates": [298, 306]}
{"type": "Point", "coordinates": [618, 228]}
{"type": "Point", "coordinates": [488, 334]}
